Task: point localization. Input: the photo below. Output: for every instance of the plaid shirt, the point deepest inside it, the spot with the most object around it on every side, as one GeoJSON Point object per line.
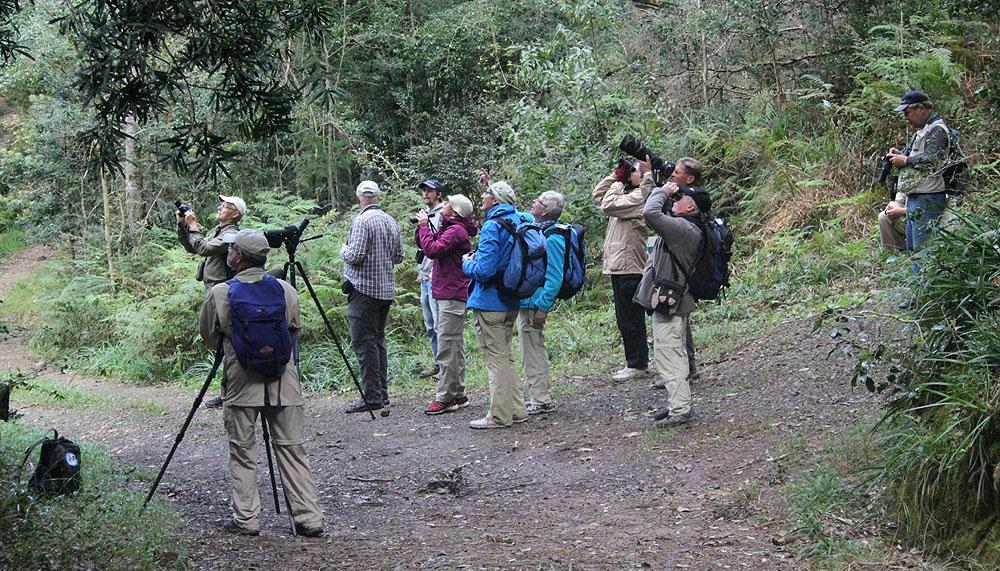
{"type": "Point", "coordinates": [373, 248]}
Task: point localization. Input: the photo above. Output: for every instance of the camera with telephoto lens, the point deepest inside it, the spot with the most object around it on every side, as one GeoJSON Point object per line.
{"type": "Point", "coordinates": [181, 207]}
{"type": "Point", "coordinates": [661, 169]}
{"type": "Point", "coordinates": [413, 219]}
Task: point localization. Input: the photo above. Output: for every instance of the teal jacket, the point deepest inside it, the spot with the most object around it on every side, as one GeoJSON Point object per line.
{"type": "Point", "coordinates": [555, 252]}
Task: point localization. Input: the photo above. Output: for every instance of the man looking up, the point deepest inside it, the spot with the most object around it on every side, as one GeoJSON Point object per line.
{"type": "Point", "coordinates": [431, 193]}
{"type": "Point", "coordinates": [213, 269]}
{"type": "Point", "coordinates": [251, 393]}
{"type": "Point", "coordinates": [621, 197]}
{"type": "Point", "coordinates": [373, 248]}
{"type": "Point", "coordinates": [664, 291]}
{"type": "Point", "coordinates": [534, 311]}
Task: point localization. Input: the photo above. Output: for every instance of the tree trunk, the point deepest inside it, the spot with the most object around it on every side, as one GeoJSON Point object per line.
{"type": "Point", "coordinates": [106, 199]}
{"type": "Point", "coordinates": [5, 402]}
{"type": "Point", "coordinates": [133, 198]}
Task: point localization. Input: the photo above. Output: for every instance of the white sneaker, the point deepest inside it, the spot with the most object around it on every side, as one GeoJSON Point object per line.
{"type": "Point", "coordinates": [629, 373]}
{"type": "Point", "coordinates": [486, 424]}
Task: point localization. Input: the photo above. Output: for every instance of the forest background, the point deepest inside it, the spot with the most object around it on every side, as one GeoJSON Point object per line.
{"type": "Point", "coordinates": [788, 104]}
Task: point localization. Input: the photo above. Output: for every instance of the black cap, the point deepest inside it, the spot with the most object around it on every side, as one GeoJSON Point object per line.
{"type": "Point", "coordinates": [431, 184]}
{"type": "Point", "coordinates": [700, 197]}
{"type": "Point", "coordinates": [912, 97]}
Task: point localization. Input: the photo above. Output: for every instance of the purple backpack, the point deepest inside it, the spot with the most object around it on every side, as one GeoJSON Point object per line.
{"type": "Point", "coordinates": [261, 338]}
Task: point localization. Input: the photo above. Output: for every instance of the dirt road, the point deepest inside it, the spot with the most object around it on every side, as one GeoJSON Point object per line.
{"type": "Point", "coordinates": [590, 486]}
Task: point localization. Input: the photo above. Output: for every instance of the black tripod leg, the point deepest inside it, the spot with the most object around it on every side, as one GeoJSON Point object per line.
{"type": "Point", "coordinates": [329, 328]}
{"type": "Point", "coordinates": [270, 461]}
{"type": "Point", "coordinates": [187, 421]}
{"type": "Point", "coordinates": [274, 487]}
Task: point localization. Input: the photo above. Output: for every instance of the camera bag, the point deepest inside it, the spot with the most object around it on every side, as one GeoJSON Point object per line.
{"type": "Point", "coordinates": [58, 469]}
{"type": "Point", "coordinates": [260, 336]}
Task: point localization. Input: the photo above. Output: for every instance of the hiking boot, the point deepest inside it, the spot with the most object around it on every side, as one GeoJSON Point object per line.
{"type": "Point", "coordinates": [674, 420]}
{"type": "Point", "coordinates": [540, 408]}
{"type": "Point", "coordinates": [230, 526]}
{"type": "Point", "coordinates": [214, 402]}
{"type": "Point", "coordinates": [306, 531]}
{"type": "Point", "coordinates": [426, 373]}
{"type": "Point", "coordinates": [658, 385]}
{"type": "Point", "coordinates": [487, 423]}
{"type": "Point", "coordinates": [694, 375]}
{"type": "Point", "coordinates": [436, 408]}
{"type": "Point", "coordinates": [457, 403]}
{"type": "Point", "coordinates": [361, 406]}
{"type": "Point", "coordinates": [629, 373]}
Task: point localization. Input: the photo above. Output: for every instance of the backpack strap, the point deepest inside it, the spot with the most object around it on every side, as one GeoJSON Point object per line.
{"type": "Point", "coordinates": [27, 453]}
{"type": "Point", "coordinates": [701, 252]}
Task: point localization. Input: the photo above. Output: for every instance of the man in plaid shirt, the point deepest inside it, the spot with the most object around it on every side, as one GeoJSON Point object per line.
{"type": "Point", "coordinates": [373, 248]}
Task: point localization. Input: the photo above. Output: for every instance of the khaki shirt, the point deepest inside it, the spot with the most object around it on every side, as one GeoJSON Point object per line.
{"type": "Point", "coordinates": [927, 158]}
{"type": "Point", "coordinates": [625, 239]}
{"type": "Point", "coordinates": [213, 249]}
{"type": "Point", "coordinates": [242, 390]}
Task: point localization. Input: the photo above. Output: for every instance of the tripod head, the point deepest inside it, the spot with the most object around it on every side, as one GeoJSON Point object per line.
{"type": "Point", "coordinates": [290, 236]}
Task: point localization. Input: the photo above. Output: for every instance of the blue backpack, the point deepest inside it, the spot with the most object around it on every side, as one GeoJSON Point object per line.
{"type": "Point", "coordinates": [526, 270]}
{"type": "Point", "coordinates": [575, 266]}
{"type": "Point", "coordinates": [261, 338]}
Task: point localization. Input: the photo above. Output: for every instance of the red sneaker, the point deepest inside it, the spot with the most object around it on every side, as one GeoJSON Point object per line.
{"type": "Point", "coordinates": [436, 408]}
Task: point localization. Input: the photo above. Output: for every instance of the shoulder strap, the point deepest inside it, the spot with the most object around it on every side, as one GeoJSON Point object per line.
{"type": "Point", "coordinates": [27, 453]}
{"type": "Point", "coordinates": [701, 252]}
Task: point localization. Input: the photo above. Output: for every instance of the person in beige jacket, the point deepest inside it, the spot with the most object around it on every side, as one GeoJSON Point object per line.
{"type": "Point", "coordinates": [621, 196]}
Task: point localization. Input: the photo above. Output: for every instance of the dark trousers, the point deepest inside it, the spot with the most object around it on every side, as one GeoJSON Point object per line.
{"type": "Point", "coordinates": [631, 319]}
{"type": "Point", "coordinates": [366, 317]}
{"type": "Point", "coordinates": [689, 343]}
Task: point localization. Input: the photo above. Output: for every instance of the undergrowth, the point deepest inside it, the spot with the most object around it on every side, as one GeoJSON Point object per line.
{"type": "Point", "coordinates": [99, 527]}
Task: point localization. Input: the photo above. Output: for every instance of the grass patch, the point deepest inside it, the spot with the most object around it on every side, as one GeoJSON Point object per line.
{"type": "Point", "coordinates": [44, 392]}
{"type": "Point", "coordinates": [99, 527]}
{"type": "Point", "coordinates": [12, 240]}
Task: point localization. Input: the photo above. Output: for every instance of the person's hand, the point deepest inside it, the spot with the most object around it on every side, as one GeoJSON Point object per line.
{"type": "Point", "coordinates": [539, 318]}
{"type": "Point", "coordinates": [421, 217]}
{"type": "Point", "coordinates": [485, 178]}
{"type": "Point", "coordinates": [645, 166]}
{"type": "Point", "coordinates": [469, 256]}
{"type": "Point", "coordinates": [896, 158]}
{"type": "Point", "coordinates": [893, 210]}
{"type": "Point", "coordinates": [191, 220]}
{"type": "Point", "coordinates": [180, 217]}
{"type": "Point", "coordinates": [671, 188]}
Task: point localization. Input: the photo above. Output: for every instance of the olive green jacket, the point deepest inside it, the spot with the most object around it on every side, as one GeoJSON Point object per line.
{"type": "Point", "coordinates": [213, 268]}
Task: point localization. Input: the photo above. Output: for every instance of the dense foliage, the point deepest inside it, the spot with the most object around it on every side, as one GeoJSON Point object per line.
{"type": "Point", "coordinates": [787, 103]}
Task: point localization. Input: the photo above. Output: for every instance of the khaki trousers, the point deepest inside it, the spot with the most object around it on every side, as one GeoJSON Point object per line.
{"type": "Point", "coordinates": [670, 357]}
{"type": "Point", "coordinates": [495, 332]}
{"type": "Point", "coordinates": [450, 350]}
{"type": "Point", "coordinates": [285, 426]}
{"type": "Point", "coordinates": [892, 232]}
{"type": "Point", "coordinates": [534, 359]}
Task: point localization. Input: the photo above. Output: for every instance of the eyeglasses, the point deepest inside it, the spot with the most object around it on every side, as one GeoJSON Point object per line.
{"type": "Point", "coordinates": [225, 206]}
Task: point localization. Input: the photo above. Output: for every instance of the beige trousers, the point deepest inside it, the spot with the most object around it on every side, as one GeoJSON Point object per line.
{"type": "Point", "coordinates": [534, 359]}
{"type": "Point", "coordinates": [670, 357]}
{"type": "Point", "coordinates": [495, 332]}
{"type": "Point", "coordinates": [285, 426]}
{"type": "Point", "coordinates": [892, 232]}
{"type": "Point", "coordinates": [451, 350]}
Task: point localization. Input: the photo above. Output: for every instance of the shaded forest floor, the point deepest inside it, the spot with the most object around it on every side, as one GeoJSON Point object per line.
{"type": "Point", "coordinates": [591, 486]}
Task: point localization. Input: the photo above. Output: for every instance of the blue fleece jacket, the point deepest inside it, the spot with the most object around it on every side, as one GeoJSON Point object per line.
{"type": "Point", "coordinates": [492, 255]}
{"type": "Point", "coordinates": [555, 253]}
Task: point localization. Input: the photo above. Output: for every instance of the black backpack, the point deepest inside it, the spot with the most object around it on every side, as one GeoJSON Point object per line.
{"type": "Point", "coordinates": [58, 469]}
{"type": "Point", "coordinates": [575, 266]}
{"type": "Point", "coordinates": [711, 269]}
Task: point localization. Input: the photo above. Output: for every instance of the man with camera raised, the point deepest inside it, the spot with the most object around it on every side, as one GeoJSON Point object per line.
{"type": "Point", "coordinates": [261, 379]}
{"type": "Point", "coordinates": [430, 191]}
{"type": "Point", "coordinates": [213, 269]}
{"type": "Point", "coordinates": [373, 248]}
{"type": "Point", "coordinates": [663, 290]}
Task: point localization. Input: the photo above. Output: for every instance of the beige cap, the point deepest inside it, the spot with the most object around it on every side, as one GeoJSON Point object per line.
{"type": "Point", "coordinates": [368, 189]}
{"type": "Point", "coordinates": [237, 202]}
{"type": "Point", "coordinates": [502, 191]}
{"type": "Point", "coordinates": [461, 205]}
{"type": "Point", "coordinates": [252, 242]}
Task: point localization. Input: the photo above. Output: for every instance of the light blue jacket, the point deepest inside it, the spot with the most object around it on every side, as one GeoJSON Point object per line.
{"type": "Point", "coordinates": [492, 255]}
{"type": "Point", "coordinates": [555, 252]}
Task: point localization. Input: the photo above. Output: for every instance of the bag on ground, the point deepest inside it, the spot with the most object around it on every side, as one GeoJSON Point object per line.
{"type": "Point", "coordinates": [526, 270]}
{"type": "Point", "coordinates": [575, 267]}
{"type": "Point", "coordinates": [58, 470]}
{"type": "Point", "coordinates": [260, 337]}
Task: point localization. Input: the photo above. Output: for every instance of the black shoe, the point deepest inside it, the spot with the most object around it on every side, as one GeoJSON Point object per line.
{"type": "Point", "coordinates": [214, 403]}
{"type": "Point", "coordinates": [361, 406]}
{"type": "Point", "coordinates": [230, 526]}
{"type": "Point", "coordinates": [305, 531]}
{"type": "Point", "coordinates": [430, 372]}
{"type": "Point", "coordinates": [675, 420]}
